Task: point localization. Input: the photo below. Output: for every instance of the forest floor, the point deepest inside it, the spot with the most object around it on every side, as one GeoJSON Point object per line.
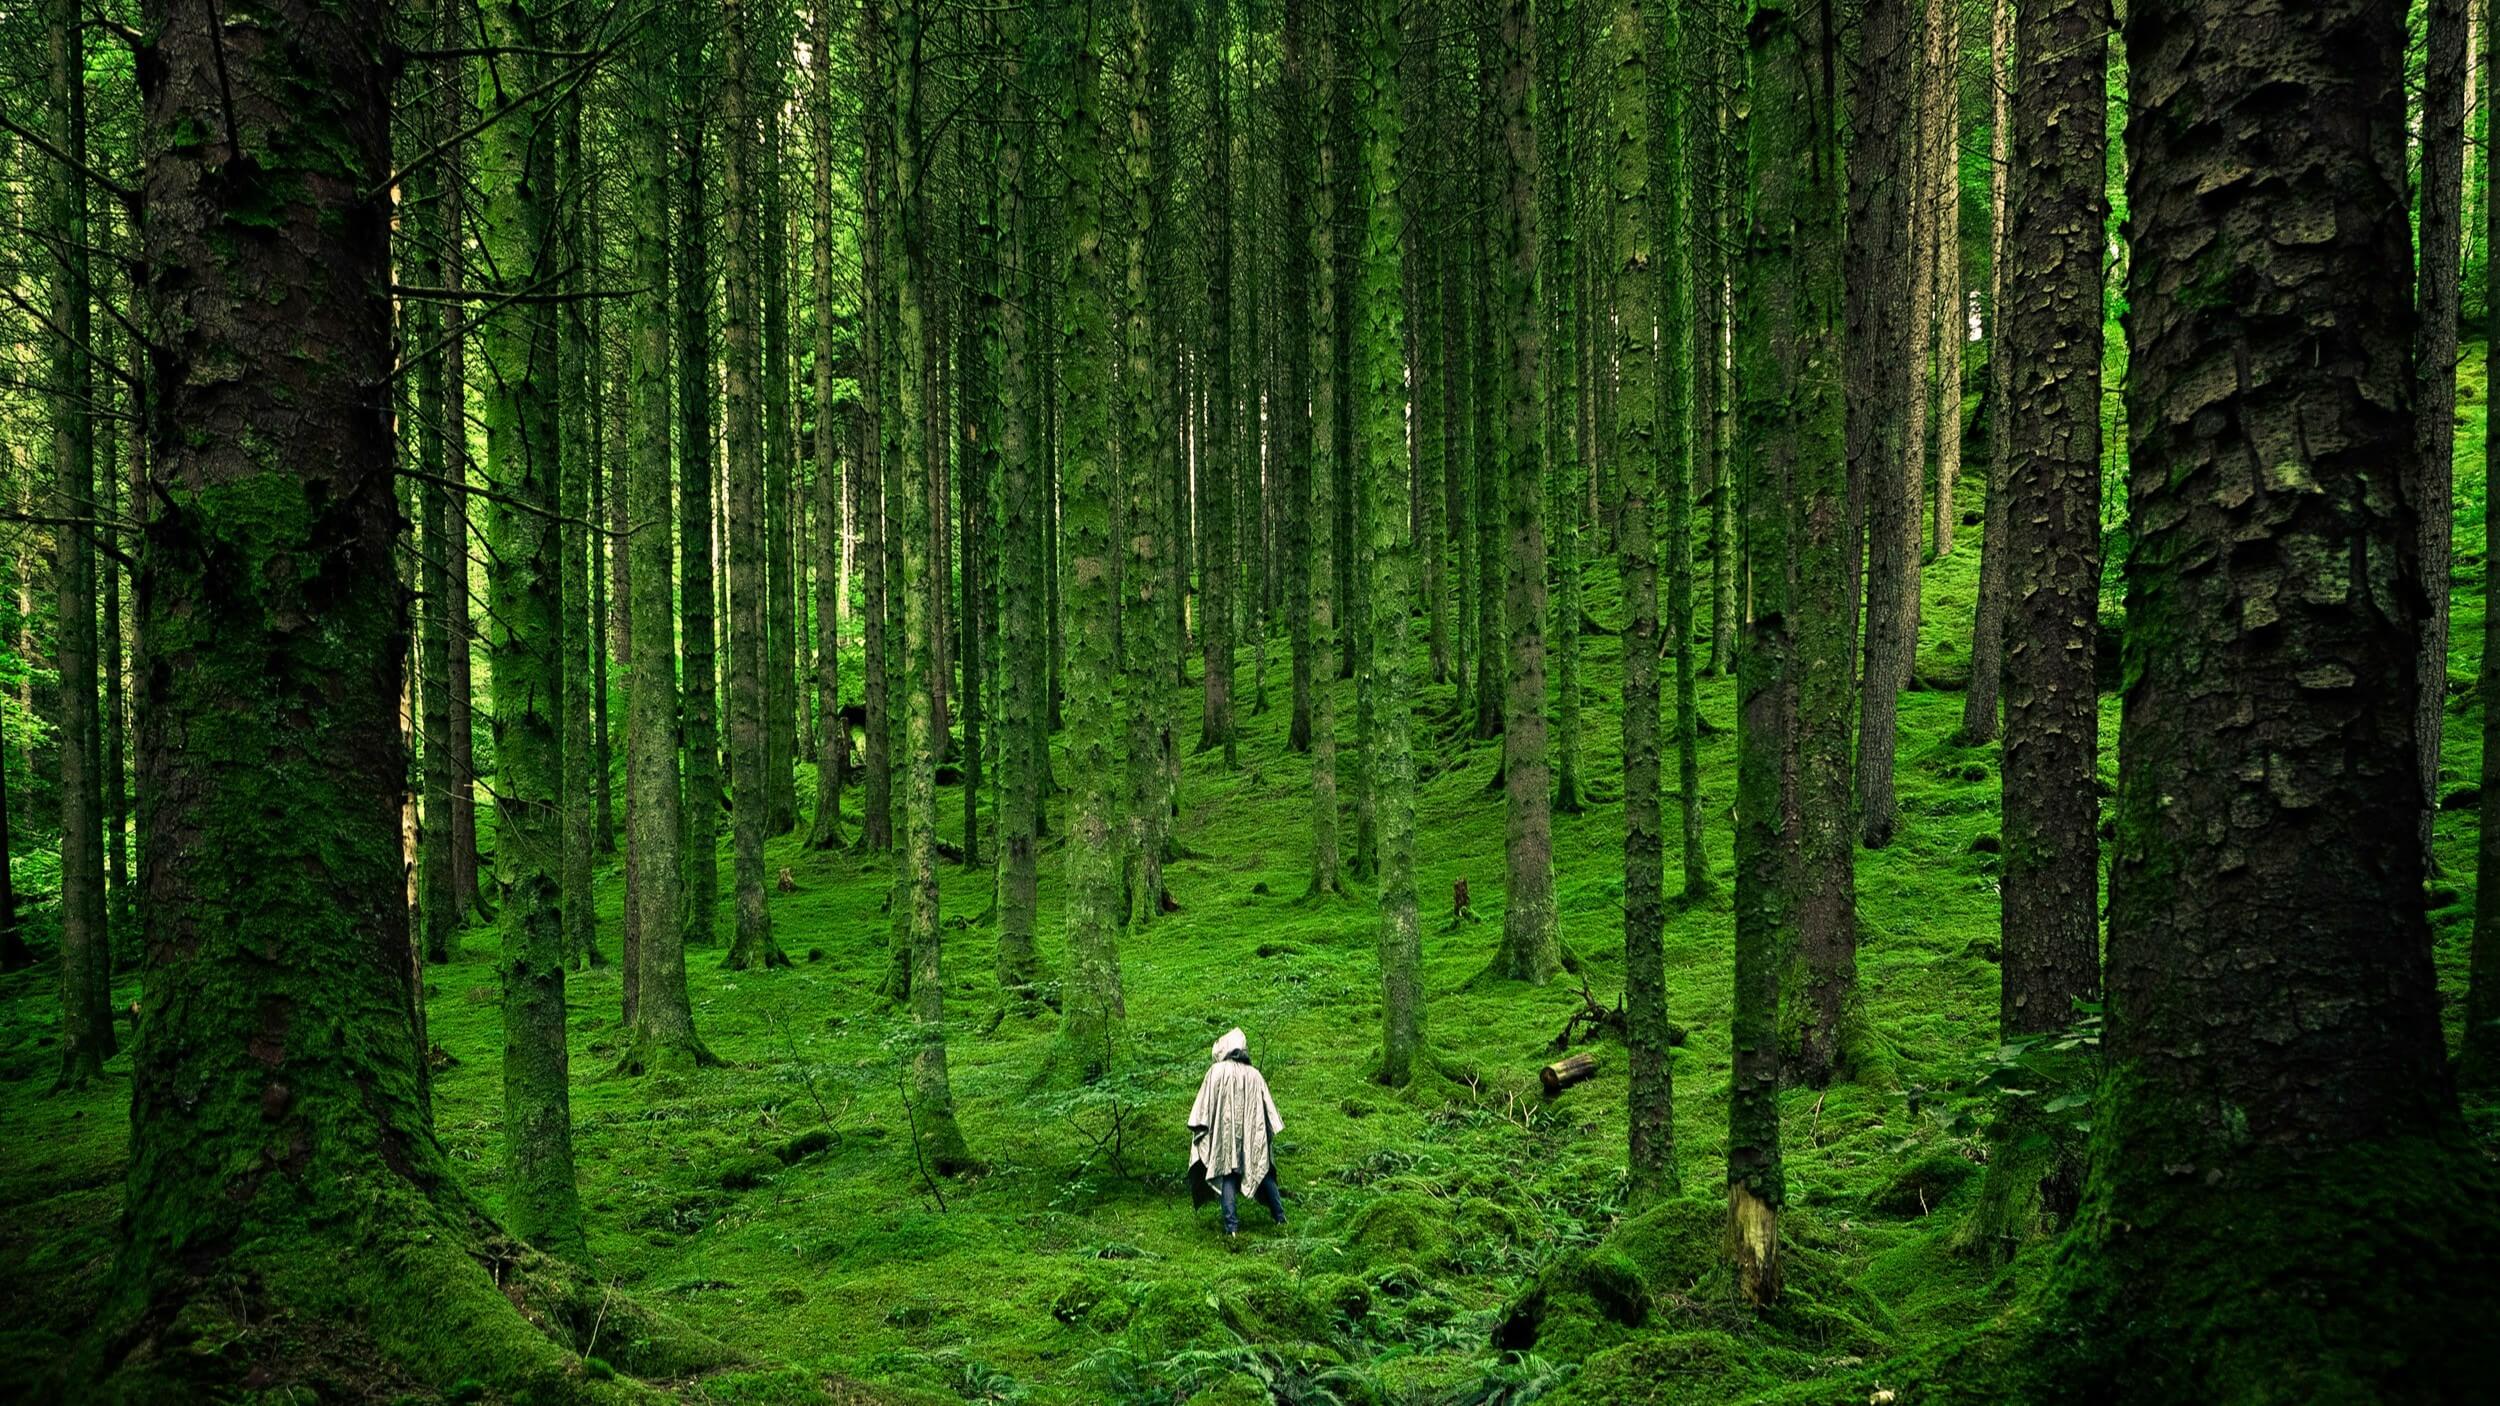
{"type": "Point", "coordinates": [1463, 1243]}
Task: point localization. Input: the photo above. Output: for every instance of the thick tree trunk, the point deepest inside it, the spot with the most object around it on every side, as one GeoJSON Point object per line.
{"type": "Point", "coordinates": [574, 424]}
{"type": "Point", "coordinates": [1559, 152]}
{"type": "Point", "coordinates": [1216, 461]}
{"type": "Point", "coordinates": [2268, 868]}
{"type": "Point", "coordinates": [2050, 891]}
{"type": "Point", "coordinates": [750, 756]}
{"type": "Point", "coordinates": [1645, 268]}
{"type": "Point", "coordinates": [1094, 1008]}
{"type": "Point", "coordinates": [1824, 1031]}
{"type": "Point", "coordinates": [1023, 748]}
{"type": "Point", "coordinates": [1882, 340]}
{"type": "Point", "coordinates": [697, 467]}
{"type": "Point", "coordinates": [1327, 875]}
{"type": "Point", "coordinates": [824, 829]}
{"type": "Point", "coordinates": [1531, 949]}
{"type": "Point", "coordinates": [525, 637]}
{"type": "Point", "coordinates": [282, 1166]}
{"type": "Point", "coordinates": [1984, 699]}
{"type": "Point", "coordinates": [1381, 293]}
{"type": "Point", "coordinates": [1948, 330]}
{"type": "Point", "coordinates": [1145, 657]}
{"type": "Point", "coordinates": [1787, 315]}
{"type": "Point", "coordinates": [660, 1014]}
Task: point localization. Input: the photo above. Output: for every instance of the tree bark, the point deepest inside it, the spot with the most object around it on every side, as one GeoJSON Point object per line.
{"type": "Point", "coordinates": [1883, 340]}
{"type": "Point", "coordinates": [2268, 868]}
{"type": "Point", "coordinates": [660, 1016]}
{"type": "Point", "coordinates": [1641, 442]}
{"type": "Point", "coordinates": [1982, 702]}
{"type": "Point", "coordinates": [86, 966]}
{"type": "Point", "coordinates": [1531, 949]}
{"type": "Point", "coordinates": [698, 464]}
{"type": "Point", "coordinates": [1094, 1007]}
{"type": "Point", "coordinates": [2435, 376]}
{"type": "Point", "coordinates": [1393, 545]}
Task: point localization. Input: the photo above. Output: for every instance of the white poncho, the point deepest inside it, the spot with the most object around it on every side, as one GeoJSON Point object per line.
{"type": "Point", "coordinates": [1233, 1119]}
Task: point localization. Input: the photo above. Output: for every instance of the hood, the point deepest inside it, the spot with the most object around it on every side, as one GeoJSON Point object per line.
{"type": "Point", "coordinates": [1233, 1041]}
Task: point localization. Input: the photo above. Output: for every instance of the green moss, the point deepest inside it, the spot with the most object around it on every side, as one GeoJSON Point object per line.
{"type": "Point", "coordinates": [1398, 1226]}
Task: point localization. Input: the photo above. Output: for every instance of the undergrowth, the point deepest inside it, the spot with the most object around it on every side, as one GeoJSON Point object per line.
{"type": "Point", "coordinates": [1464, 1244]}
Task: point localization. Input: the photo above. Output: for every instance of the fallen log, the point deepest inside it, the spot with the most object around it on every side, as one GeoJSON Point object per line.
{"type": "Point", "coordinates": [1565, 1072]}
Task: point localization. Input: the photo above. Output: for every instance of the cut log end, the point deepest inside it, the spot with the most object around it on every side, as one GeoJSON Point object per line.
{"type": "Point", "coordinates": [1565, 1072]}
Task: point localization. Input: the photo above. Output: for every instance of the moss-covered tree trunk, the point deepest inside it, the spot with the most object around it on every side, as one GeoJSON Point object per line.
{"type": "Point", "coordinates": [2268, 871]}
{"type": "Point", "coordinates": [1394, 548]}
{"type": "Point", "coordinates": [1216, 448]}
{"type": "Point", "coordinates": [1093, 1006]}
{"type": "Point", "coordinates": [750, 787]}
{"type": "Point", "coordinates": [1984, 699]}
{"type": "Point", "coordinates": [1300, 428]}
{"type": "Point", "coordinates": [783, 507]}
{"type": "Point", "coordinates": [1882, 169]}
{"type": "Point", "coordinates": [1717, 62]}
{"type": "Point", "coordinates": [697, 461]}
{"type": "Point", "coordinates": [660, 1017]}
{"type": "Point", "coordinates": [876, 826]}
{"type": "Point", "coordinates": [574, 197]}
{"type": "Point", "coordinates": [2050, 890]}
{"type": "Point", "coordinates": [1650, 1091]}
{"type": "Point", "coordinates": [1560, 393]}
{"type": "Point", "coordinates": [1674, 262]}
{"type": "Point", "coordinates": [442, 545]}
{"type": "Point", "coordinates": [525, 632]}
{"type": "Point", "coordinates": [1825, 1032]}
{"type": "Point", "coordinates": [1944, 166]}
{"type": "Point", "coordinates": [1531, 948]}
{"type": "Point", "coordinates": [1787, 318]}
{"type": "Point", "coordinates": [1327, 868]}
{"type": "Point", "coordinates": [1024, 477]}
{"type": "Point", "coordinates": [282, 1167]}
{"type": "Point", "coordinates": [824, 830]}
{"type": "Point", "coordinates": [1146, 659]}
{"type": "Point", "coordinates": [86, 963]}
{"type": "Point", "coordinates": [1491, 400]}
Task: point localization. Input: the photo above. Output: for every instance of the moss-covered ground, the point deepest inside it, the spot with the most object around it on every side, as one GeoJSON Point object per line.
{"type": "Point", "coordinates": [1463, 1243]}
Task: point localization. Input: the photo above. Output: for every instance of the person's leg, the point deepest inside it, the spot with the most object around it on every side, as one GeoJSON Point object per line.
{"type": "Point", "coordinates": [1271, 1196]}
{"type": "Point", "coordinates": [1228, 1188]}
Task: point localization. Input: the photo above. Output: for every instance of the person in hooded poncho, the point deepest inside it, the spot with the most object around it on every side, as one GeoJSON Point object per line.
{"type": "Point", "coordinates": [1230, 1131]}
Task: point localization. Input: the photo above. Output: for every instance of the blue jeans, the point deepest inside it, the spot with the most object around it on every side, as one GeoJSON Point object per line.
{"type": "Point", "coordinates": [1229, 1189]}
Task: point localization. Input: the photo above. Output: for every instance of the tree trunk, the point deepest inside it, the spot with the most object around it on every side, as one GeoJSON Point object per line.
{"type": "Point", "coordinates": [1531, 949]}
{"type": "Point", "coordinates": [698, 461]}
{"type": "Point", "coordinates": [2478, 1062]}
{"type": "Point", "coordinates": [1326, 874]}
{"type": "Point", "coordinates": [1883, 339]}
{"type": "Point", "coordinates": [1094, 1007]}
{"type": "Point", "coordinates": [783, 508]}
{"type": "Point", "coordinates": [1948, 330]}
{"type": "Point", "coordinates": [660, 1015]}
{"type": "Point", "coordinates": [2435, 378]}
{"type": "Point", "coordinates": [1558, 155]}
{"type": "Point", "coordinates": [278, 1116]}
{"type": "Point", "coordinates": [876, 353]}
{"type": "Point", "coordinates": [573, 194]}
{"type": "Point", "coordinates": [1984, 698]}
{"type": "Point", "coordinates": [2268, 868]}
{"type": "Point", "coordinates": [1644, 269]}
{"type": "Point", "coordinates": [525, 608]}
{"type": "Point", "coordinates": [1788, 308]}
{"type": "Point", "coordinates": [1145, 657]}
{"type": "Point", "coordinates": [824, 831]}
{"type": "Point", "coordinates": [1023, 747]}
{"type": "Point", "coordinates": [86, 969]}
{"type": "Point", "coordinates": [1216, 462]}
{"type": "Point", "coordinates": [1393, 545]}
{"type": "Point", "coordinates": [2050, 890]}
